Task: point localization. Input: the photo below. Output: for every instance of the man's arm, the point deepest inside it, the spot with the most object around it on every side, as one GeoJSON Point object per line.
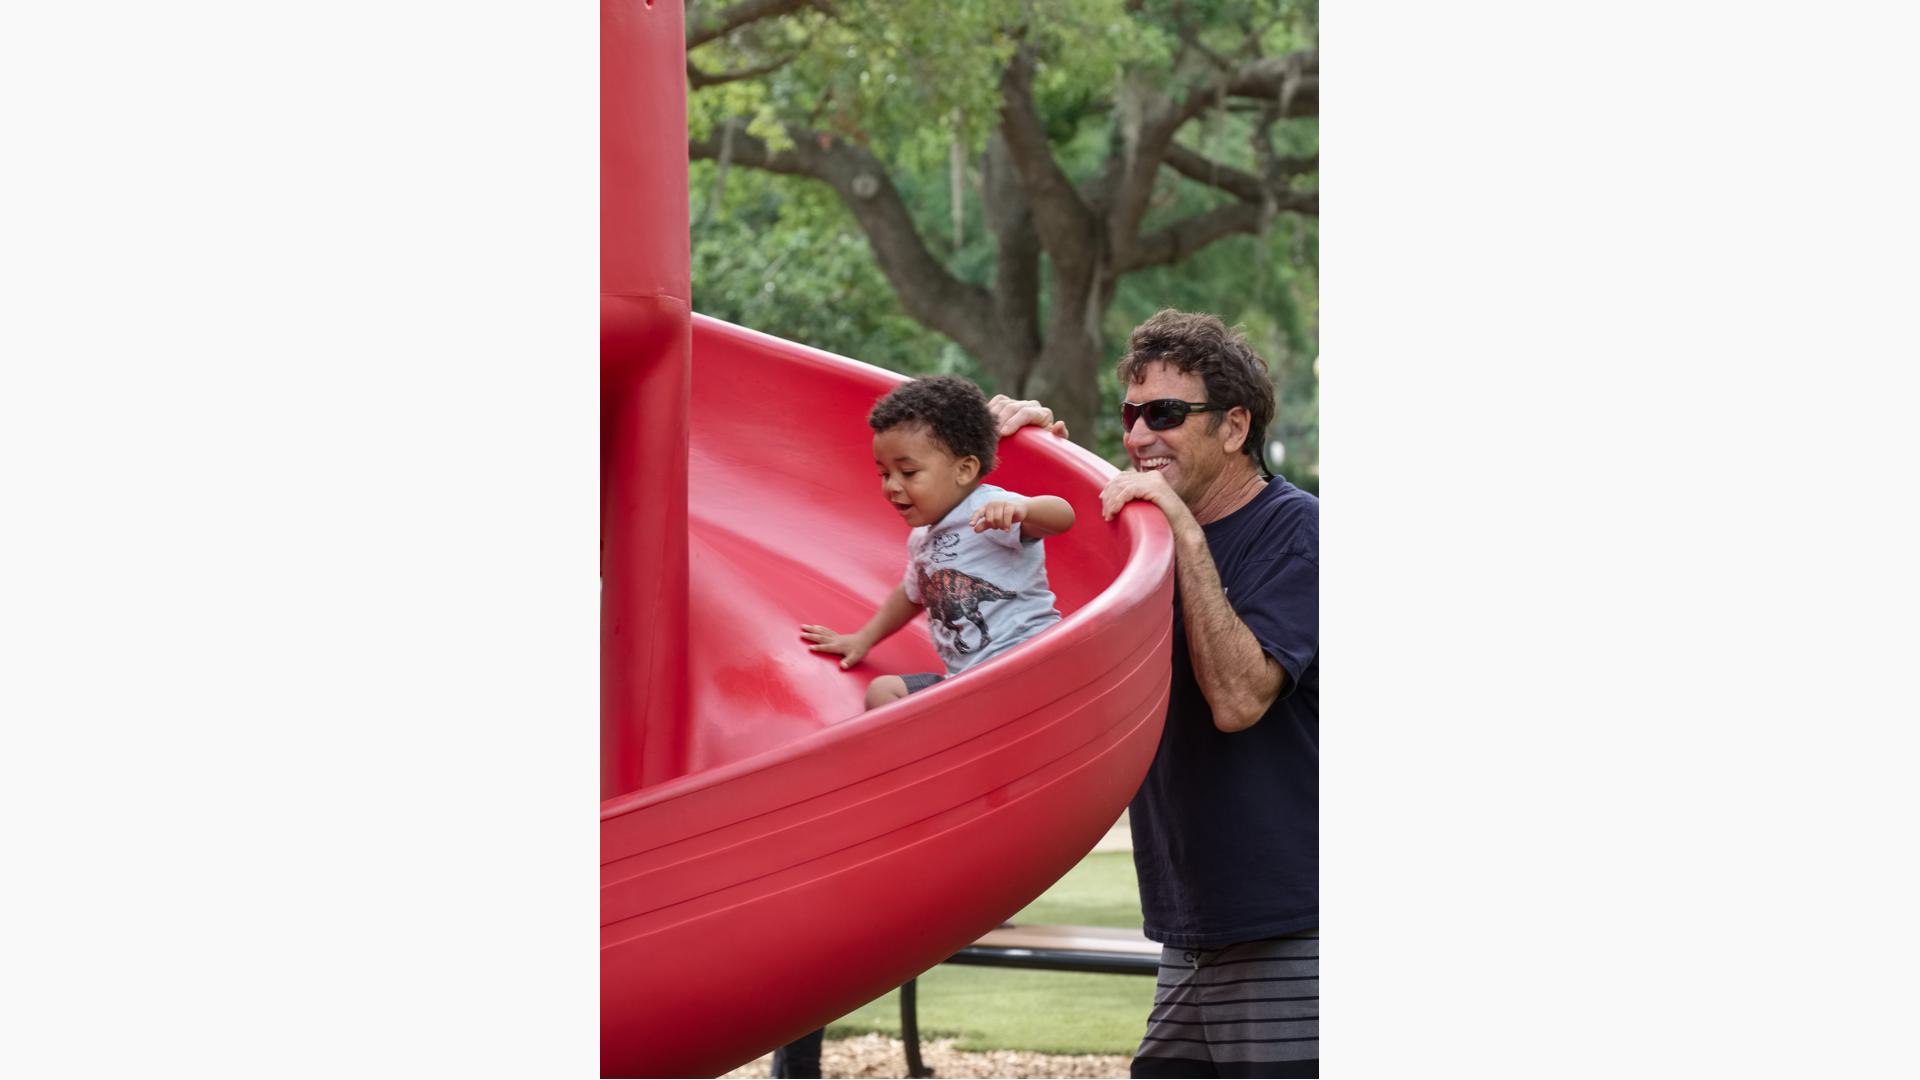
{"type": "Point", "coordinates": [1237, 677]}
{"type": "Point", "coordinates": [1240, 681]}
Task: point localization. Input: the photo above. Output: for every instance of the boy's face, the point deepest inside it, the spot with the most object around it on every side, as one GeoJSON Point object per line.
{"type": "Point", "coordinates": [919, 476]}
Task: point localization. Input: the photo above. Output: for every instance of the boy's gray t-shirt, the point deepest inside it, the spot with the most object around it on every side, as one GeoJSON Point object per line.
{"type": "Point", "coordinates": [984, 592]}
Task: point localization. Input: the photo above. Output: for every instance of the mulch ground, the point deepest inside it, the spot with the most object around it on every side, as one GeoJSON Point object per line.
{"type": "Point", "coordinates": [879, 1056]}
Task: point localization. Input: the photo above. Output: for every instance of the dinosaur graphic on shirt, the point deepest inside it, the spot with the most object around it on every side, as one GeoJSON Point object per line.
{"type": "Point", "coordinates": [950, 595]}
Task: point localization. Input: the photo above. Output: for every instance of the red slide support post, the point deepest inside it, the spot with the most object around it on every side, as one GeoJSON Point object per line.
{"type": "Point", "coordinates": [645, 381]}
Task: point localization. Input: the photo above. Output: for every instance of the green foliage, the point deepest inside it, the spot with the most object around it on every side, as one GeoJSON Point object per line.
{"type": "Point", "coordinates": [889, 74]}
{"type": "Point", "coordinates": [908, 79]}
{"type": "Point", "coordinates": [784, 258]}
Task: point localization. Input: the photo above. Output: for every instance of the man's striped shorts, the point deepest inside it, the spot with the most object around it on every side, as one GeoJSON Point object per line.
{"type": "Point", "coordinates": [1251, 1009]}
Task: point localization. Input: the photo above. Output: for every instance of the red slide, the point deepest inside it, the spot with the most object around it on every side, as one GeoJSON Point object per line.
{"type": "Point", "coordinates": [772, 857]}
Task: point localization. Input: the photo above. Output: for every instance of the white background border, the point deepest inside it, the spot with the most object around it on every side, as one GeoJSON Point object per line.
{"type": "Point", "coordinates": [300, 630]}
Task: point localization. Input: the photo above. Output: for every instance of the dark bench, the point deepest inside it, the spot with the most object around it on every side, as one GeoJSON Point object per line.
{"type": "Point", "coordinates": [1055, 948]}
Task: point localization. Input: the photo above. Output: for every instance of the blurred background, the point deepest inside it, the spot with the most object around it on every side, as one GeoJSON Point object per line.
{"type": "Point", "coordinates": [1003, 189]}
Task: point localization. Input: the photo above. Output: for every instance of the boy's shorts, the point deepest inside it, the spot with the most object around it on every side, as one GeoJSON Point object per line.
{"type": "Point", "coordinates": [920, 681]}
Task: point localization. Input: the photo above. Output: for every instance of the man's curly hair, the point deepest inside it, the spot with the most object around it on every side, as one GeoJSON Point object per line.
{"type": "Point", "coordinates": [953, 409]}
{"type": "Point", "coordinates": [1233, 373]}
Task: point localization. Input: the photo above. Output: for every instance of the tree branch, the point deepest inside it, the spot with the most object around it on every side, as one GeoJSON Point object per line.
{"type": "Point", "coordinates": [697, 79]}
{"type": "Point", "coordinates": [1130, 179]}
{"type": "Point", "coordinates": [1245, 185]}
{"type": "Point", "coordinates": [703, 29]}
{"type": "Point", "coordinates": [1016, 268]}
{"type": "Point", "coordinates": [1292, 80]}
{"type": "Point", "coordinates": [1188, 235]}
{"type": "Point", "coordinates": [1064, 223]}
{"type": "Point", "coordinates": [1183, 238]}
{"type": "Point", "coordinates": [926, 289]}
{"type": "Point", "coordinates": [1190, 37]}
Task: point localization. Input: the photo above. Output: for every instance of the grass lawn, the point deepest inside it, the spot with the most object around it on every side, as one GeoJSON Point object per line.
{"type": "Point", "coordinates": [1054, 1012]}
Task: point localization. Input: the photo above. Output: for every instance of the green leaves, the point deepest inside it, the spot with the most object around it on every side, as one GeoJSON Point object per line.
{"type": "Point", "coordinates": [908, 79]}
{"type": "Point", "coordinates": [781, 255]}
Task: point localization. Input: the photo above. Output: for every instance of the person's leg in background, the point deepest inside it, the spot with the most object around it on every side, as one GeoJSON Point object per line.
{"type": "Point", "coordinates": [801, 1057]}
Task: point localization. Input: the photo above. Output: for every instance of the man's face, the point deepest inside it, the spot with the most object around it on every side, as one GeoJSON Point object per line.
{"type": "Point", "coordinates": [1190, 457]}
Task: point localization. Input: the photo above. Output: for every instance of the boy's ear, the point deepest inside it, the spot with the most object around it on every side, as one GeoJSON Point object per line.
{"type": "Point", "coordinates": [969, 469]}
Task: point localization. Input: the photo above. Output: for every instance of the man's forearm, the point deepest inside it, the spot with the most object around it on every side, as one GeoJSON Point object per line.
{"type": "Point", "coordinates": [1240, 681]}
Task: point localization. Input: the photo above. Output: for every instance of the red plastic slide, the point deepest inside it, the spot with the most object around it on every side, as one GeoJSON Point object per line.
{"type": "Point", "coordinates": [773, 857]}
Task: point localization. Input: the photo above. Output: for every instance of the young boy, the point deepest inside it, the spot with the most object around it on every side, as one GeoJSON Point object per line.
{"type": "Point", "coordinates": [974, 557]}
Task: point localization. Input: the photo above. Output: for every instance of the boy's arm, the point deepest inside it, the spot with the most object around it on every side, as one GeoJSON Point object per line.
{"type": "Point", "coordinates": [895, 611]}
{"type": "Point", "coordinates": [1038, 517]}
{"type": "Point", "coordinates": [1047, 515]}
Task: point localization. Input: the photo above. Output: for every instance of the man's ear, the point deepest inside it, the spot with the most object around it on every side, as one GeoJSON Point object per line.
{"type": "Point", "coordinates": [1237, 423]}
{"type": "Point", "coordinates": [969, 469]}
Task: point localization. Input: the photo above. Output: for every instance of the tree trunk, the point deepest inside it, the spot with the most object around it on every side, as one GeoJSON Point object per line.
{"type": "Point", "coordinates": [1010, 363]}
{"type": "Point", "coordinates": [1016, 274]}
{"type": "Point", "coordinates": [1067, 377]}
{"type": "Point", "coordinates": [1066, 380]}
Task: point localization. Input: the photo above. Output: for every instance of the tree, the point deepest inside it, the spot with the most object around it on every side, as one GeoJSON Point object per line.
{"type": "Point", "coordinates": [1098, 138]}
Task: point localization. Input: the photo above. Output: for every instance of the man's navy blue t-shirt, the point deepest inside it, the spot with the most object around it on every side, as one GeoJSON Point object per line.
{"type": "Point", "coordinates": [1226, 828]}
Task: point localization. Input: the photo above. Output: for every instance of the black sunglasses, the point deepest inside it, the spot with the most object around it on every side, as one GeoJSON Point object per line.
{"type": "Point", "coordinates": [1162, 414]}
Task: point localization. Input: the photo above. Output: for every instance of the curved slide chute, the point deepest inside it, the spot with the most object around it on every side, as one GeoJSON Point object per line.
{"type": "Point", "coordinates": [772, 856]}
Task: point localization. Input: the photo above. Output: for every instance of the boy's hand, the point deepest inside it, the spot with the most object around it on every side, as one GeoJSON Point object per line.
{"type": "Point", "coordinates": [1000, 514]}
{"type": "Point", "coordinates": [850, 646]}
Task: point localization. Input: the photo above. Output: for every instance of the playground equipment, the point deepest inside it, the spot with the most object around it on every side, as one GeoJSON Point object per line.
{"type": "Point", "coordinates": [771, 856]}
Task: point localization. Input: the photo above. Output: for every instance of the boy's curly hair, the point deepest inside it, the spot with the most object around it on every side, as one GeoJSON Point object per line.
{"type": "Point", "coordinates": [1233, 373]}
{"type": "Point", "coordinates": [952, 408]}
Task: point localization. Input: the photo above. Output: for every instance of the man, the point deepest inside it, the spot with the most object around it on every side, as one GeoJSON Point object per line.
{"type": "Point", "coordinates": [1226, 824]}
